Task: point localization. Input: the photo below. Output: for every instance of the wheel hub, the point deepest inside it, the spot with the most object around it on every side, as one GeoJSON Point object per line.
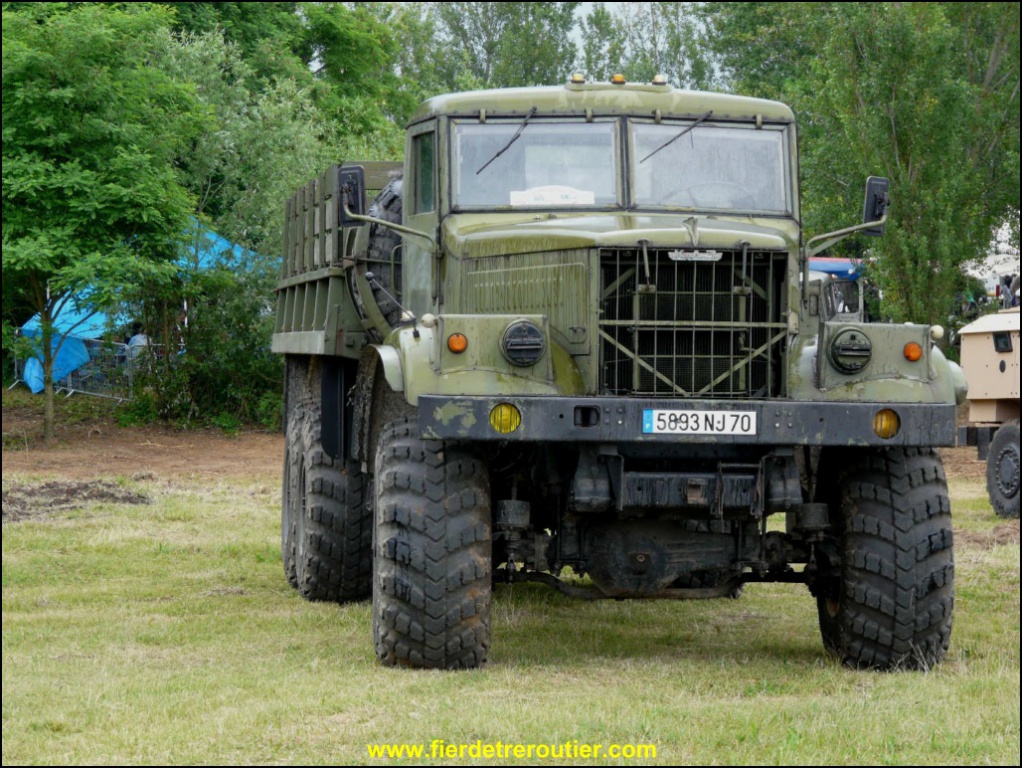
{"type": "Point", "coordinates": [1008, 471]}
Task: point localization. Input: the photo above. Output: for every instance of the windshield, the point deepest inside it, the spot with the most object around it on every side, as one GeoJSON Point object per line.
{"type": "Point", "coordinates": [710, 168]}
{"type": "Point", "coordinates": [549, 164]}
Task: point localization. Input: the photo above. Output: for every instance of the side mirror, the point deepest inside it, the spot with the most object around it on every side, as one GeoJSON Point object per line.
{"type": "Point", "coordinates": [875, 206]}
{"type": "Point", "coordinates": [351, 195]}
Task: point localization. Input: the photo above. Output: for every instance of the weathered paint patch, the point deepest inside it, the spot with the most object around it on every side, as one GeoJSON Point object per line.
{"type": "Point", "coordinates": [451, 413]}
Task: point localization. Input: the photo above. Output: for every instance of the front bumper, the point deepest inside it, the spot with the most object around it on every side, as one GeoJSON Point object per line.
{"type": "Point", "coordinates": [620, 420]}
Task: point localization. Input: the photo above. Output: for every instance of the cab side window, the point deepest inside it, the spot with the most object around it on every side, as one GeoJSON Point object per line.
{"type": "Point", "coordinates": [423, 152]}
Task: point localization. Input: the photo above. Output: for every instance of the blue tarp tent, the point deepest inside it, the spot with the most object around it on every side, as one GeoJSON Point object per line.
{"type": "Point", "coordinates": [71, 325]}
{"type": "Point", "coordinates": [203, 249]}
{"type": "Point", "coordinates": [833, 266]}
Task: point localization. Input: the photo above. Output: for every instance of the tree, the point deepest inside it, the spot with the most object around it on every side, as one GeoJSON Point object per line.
{"type": "Point", "coordinates": [499, 45]}
{"type": "Point", "coordinates": [641, 40]}
{"type": "Point", "coordinates": [416, 56]}
{"type": "Point", "coordinates": [91, 200]}
{"type": "Point", "coordinates": [258, 142]}
{"type": "Point", "coordinates": [604, 44]}
{"type": "Point", "coordinates": [763, 49]}
{"type": "Point", "coordinates": [264, 32]}
{"type": "Point", "coordinates": [926, 94]}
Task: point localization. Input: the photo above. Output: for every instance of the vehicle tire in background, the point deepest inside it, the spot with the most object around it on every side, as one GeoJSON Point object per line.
{"type": "Point", "coordinates": [889, 603]}
{"type": "Point", "coordinates": [1003, 470]}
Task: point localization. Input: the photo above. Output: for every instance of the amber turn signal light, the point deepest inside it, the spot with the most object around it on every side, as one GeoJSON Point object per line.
{"type": "Point", "coordinates": [457, 343]}
{"type": "Point", "coordinates": [913, 352]}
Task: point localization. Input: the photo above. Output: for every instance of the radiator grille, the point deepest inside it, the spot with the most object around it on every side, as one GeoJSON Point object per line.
{"type": "Point", "coordinates": [692, 324]}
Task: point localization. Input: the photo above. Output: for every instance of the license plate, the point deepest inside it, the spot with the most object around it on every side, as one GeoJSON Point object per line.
{"type": "Point", "coordinates": [698, 422]}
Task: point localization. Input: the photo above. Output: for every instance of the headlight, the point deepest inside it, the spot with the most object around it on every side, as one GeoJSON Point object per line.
{"type": "Point", "coordinates": [523, 343]}
{"type": "Point", "coordinates": [505, 418]}
{"type": "Point", "coordinates": [850, 351]}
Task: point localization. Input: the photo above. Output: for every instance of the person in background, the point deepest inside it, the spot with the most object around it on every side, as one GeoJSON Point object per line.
{"type": "Point", "coordinates": [138, 341]}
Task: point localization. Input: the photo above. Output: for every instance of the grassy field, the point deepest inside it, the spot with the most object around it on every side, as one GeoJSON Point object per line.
{"type": "Point", "coordinates": [165, 633]}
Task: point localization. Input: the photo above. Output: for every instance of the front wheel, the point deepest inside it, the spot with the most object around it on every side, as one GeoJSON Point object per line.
{"type": "Point", "coordinates": [888, 603]}
{"type": "Point", "coordinates": [432, 553]}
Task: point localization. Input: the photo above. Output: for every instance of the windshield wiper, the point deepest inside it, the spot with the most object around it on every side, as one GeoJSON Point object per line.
{"type": "Point", "coordinates": [511, 141]}
{"type": "Point", "coordinates": [699, 119]}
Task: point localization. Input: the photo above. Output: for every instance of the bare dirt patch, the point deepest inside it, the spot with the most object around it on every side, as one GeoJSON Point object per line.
{"type": "Point", "coordinates": [1001, 535]}
{"type": "Point", "coordinates": [21, 502]}
{"type": "Point", "coordinates": [98, 447]}
{"type": "Point", "coordinates": [963, 464]}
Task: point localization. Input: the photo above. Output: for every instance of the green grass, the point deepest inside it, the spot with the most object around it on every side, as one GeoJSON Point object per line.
{"type": "Point", "coordinates": [167, 634]}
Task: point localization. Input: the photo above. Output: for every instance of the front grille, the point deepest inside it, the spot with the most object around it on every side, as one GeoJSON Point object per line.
{"type": "Point", "coordinates": [684, 323]}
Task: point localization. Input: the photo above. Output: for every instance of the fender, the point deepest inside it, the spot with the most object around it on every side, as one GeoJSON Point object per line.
{"type": "Point", "coordinates": [411, 362]}
{"type": "Point", "coordinates": [937, 380]}
{"type": "Point", "coordinates": [427, 366]}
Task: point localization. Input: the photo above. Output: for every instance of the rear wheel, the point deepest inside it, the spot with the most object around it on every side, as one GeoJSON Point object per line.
{"type": "Point", "coordinates": [1003, 471]}
{"type": "Point", "coordinates": [326, 533]}
{"type": "Point", "coordinates": [889, 602]}
{"type": "Point", "coordinates": [432, 552]}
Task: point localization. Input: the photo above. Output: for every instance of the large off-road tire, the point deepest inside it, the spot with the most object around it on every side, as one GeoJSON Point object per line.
{"type": "Point", "coordinates": [326, 526]}
{"type": "Point", "coordinates": [432, 553]}
{"type": "Point", "coordinates": [888, 604]}
{"type": "Point", "coordinates": [385, 252]}
{"type": "Point", "coordinates": [1003, 471]}
{"type": "Point", "coordinates": [296, 390]}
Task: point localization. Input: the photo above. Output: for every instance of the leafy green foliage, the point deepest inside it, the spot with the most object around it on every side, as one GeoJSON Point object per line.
{"type": "Point", "coordinates": [604, 44]}
{"type": "Point", "coordinates": [761, 49]}
{"type": "Point", "coordinates": [415, 54]}
{"type": "Point", "coordinates": [258, 142]}
{"type": "Point", "coordinates": [498, 45]}
{"type": "Point", "coordinates": [8, 359]}
{"type": "Point", "coordinates": [211, 112]}
{"type": "Point", "coordinates": [90, 194]}
{"type": "Point", "coordinates": [641, 40]}
{"type": "Point", "coordinates": [212, 363]}
{"type": "Point", "coordinates": [266, 33]}
{"type": "Point", "coordinates": [923, 93]}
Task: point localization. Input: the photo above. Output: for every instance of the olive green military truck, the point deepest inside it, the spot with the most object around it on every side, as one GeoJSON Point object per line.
{"type": "Point", "coordinates": [576, 341]}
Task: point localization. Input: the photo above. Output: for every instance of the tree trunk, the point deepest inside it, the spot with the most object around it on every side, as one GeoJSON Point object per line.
{"type": "Point", "coordinates": [48, 359]}
{"type": "Point", "coordinates": [48, 405]}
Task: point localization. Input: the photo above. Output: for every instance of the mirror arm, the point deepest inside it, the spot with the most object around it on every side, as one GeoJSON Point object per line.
{"type": "Point", "coordinates": [832, 238]}
{"type": "Point", "coordinates": [390, 225]}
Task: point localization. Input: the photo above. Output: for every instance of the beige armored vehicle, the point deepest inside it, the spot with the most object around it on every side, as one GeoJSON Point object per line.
{"type": "Point", "coordinates": [990, 359]}
{"type": "Point", "coordinates": [578, 342]}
